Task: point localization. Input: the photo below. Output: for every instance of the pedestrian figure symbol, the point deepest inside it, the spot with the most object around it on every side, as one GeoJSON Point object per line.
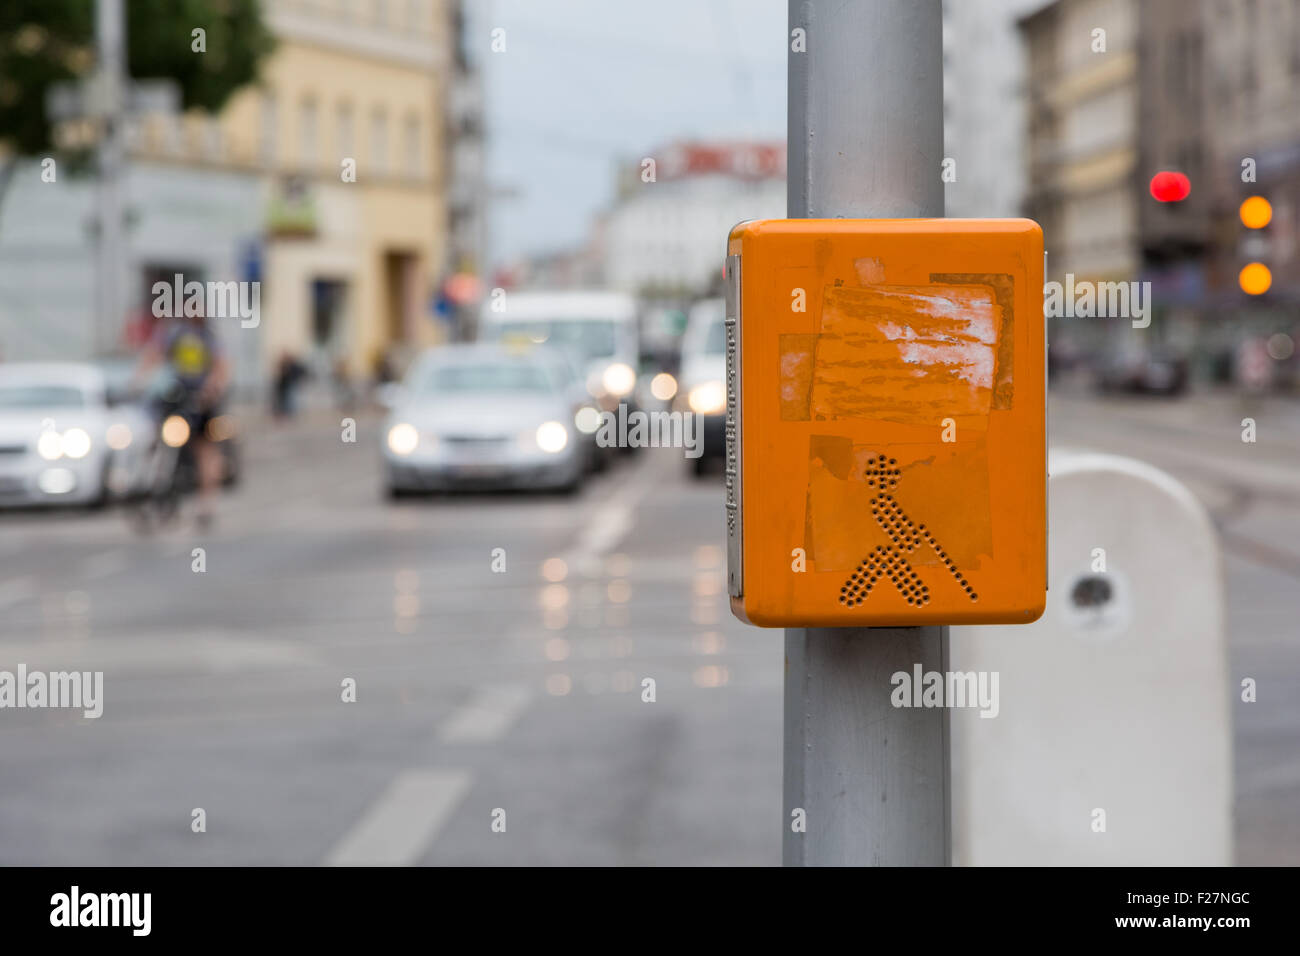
{"type": "Point", "coordinates": [888, 561]}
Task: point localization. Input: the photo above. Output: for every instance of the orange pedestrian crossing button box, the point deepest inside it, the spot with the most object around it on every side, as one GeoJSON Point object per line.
{"type": "Point", "coordinates": [886, 405]}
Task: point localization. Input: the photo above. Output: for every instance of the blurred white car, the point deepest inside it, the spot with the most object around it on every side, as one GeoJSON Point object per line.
{"type": "Point", "coordinates": [61, 440]}
{"type": "Point", "coordinates": [484, 416]}
{"type": "Point", "coordinates": [586, 410]}
{"type": "Point", "coordinates": [702, 379]}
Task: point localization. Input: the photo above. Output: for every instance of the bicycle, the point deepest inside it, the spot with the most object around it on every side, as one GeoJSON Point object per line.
{"type": "Point", "coordinates": [168, 469]}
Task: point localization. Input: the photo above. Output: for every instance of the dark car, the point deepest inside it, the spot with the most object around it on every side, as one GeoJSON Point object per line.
{"type": "Point", "coordinates": [1159, 371]}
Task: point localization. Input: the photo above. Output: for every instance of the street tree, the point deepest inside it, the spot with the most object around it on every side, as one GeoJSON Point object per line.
{"type": "Point", "coordinates": [43, 42]}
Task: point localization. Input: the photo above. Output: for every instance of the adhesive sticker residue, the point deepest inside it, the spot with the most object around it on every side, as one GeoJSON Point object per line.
{"type": "Point", "coordinates": [905, 354]}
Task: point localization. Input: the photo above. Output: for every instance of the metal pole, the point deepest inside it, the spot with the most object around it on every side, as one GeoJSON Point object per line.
{"type": "Point", "coordinates": [865, 140]}
{"type": "Point", "coordinates": [110, 29]}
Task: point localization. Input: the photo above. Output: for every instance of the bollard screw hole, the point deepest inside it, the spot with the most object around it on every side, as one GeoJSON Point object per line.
{"type": "Point", "coordinates": [1092, 591]}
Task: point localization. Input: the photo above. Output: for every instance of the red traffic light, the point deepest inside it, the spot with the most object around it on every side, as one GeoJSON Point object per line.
{"type": "Point", "coordinates": [1170, 187]}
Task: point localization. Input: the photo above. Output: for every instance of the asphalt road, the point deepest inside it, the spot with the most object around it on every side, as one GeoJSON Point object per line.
{"type": "Point", "coordinates": [488, 697]}
{"type": "Point", "coordinates": [476, 690]}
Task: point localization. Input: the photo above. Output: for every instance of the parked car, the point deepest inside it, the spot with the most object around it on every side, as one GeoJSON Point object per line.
{"type": "Point", "coordinates": [61, 439]}
{"type": "Point", "coordinates": [1157, 372]}
{"type": "Point", "coordinates": [483, 416]}
{"type": "Point", "coordinates": [702, 387]}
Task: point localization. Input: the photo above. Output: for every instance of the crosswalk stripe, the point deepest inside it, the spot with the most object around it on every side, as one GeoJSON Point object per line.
{"type": "Point", "coordinates": [487, 715]}
{"type": "Point", "coordinates": [396, 829]}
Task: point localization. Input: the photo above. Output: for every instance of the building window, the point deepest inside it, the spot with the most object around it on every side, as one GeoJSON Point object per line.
{"type": "Point", "coordinates": [411, 147]}
{"type": "Point", "coordinates": [1295, 40]}
{"type": "Point", "coordinates": [1174, 67]}
{"type": "Point", "coordinates": [308, 155]}
{"type": "Point", "coordinates": [347, 142]}
{"type": "Point", "coordinates": [379, 141]}
{"type": "Point", "coordinates": [269, 125]}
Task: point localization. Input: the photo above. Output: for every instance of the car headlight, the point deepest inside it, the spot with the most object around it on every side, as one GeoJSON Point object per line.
{"type": "Point", "coordinates": [586, 420]}
{"type": "Point", "coordinates": [76, 443]}
{"type": "Point", "coordinates": [618, 379]}
{"type": "Point", "coordinates": [552, 437]}
{"type": "Point", "coordinates": [118, 436]}
{"type": "Point", "coordinates": [708, 398]}
{"type": "Point", "coordinates": [175, 431]}
{"type": "Point", "coordinates": [50, 445]}
{"type": "Point", "coordinates": [402, 438]}
{"type": "Point", "coordinates": [663, 386]}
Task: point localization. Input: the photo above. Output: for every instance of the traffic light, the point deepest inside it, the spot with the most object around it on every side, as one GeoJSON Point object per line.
{"type": "Point", "coordinates": [1256, 212]}
{"type": "Point", "coordinates": [1170, 186]}
{"type": "Point", "coordinates": [886, 455]}
{"type": "Point", "coordinates": [1255, 278]}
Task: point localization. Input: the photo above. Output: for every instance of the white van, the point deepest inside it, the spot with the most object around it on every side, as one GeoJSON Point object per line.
{"type": "Point", "coordinates": [597, 329]}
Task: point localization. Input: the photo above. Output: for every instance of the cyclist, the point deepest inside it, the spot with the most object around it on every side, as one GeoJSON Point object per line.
{"type": "Point", "coordinates": [200, 373]}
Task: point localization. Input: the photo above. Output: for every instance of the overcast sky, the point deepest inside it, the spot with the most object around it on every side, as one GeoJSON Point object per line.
{"type": "Point", "coordinates": [585, 82]}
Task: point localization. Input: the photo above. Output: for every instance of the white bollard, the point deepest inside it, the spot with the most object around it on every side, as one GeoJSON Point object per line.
{"type": "Point", "coordinates": [1112, 739]}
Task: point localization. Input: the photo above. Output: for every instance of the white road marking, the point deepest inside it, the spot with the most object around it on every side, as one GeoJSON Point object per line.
{"type": "Point", "coordinates": [610, 522]}
{"type": "Point", "coordinates": [397, 828]}
{"type": "Point", "coordinates": [487, 715]}
{"type": "Point", "coordinates": [200, 652]}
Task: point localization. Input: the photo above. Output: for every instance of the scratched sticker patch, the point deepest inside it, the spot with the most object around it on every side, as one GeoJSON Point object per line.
{"type": "Point", "coordinates": [908, 354]}
{"type": "Point", "coordinates": [797, 356]}
{"type": "Point", "coordinates": [1003, 288]}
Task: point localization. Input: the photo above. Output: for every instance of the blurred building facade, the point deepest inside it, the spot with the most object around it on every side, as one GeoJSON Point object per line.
{"type": "Point", "coordinates": [1081, 127]}
{"type": "Point", "coordinates": [1207, 88]}
{"type": "Point", "coordinates": [327, 182]}
{"type": "Point", "coordinates": [983, 124]}
{"type": "Point", "coordinates": [1252, 102]}
{"type": "Point", "coordinates": [348, 267]}
{"type": "Point", "coordinates": [467, 187]}
{"type": "Point", "coordinates": [665, 236]}
{"type": "Point", "coordinates": [576, 268]}
{"type": "Point", "coordinates": [1174, 130]}
{"type": "Point", "coordinates": [178, 220]}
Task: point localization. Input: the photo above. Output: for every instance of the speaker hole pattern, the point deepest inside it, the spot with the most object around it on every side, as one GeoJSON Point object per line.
{"type": "Point", "coordinates": [947, 563]}
{"type": "Point", "coordinates": [895, 523]}
{"type": "Point", "coordinates": [908, 582]}
{"type": "Point", "coordinates": [883, 473]}
{"type": "Point", "coordinates": [862, 580]}
{"type": "Point", "coordinates": [906, 536]}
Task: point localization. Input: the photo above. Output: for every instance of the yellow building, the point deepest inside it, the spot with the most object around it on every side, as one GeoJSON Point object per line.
{"type": "Point", "coordinates": [345, 136]}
